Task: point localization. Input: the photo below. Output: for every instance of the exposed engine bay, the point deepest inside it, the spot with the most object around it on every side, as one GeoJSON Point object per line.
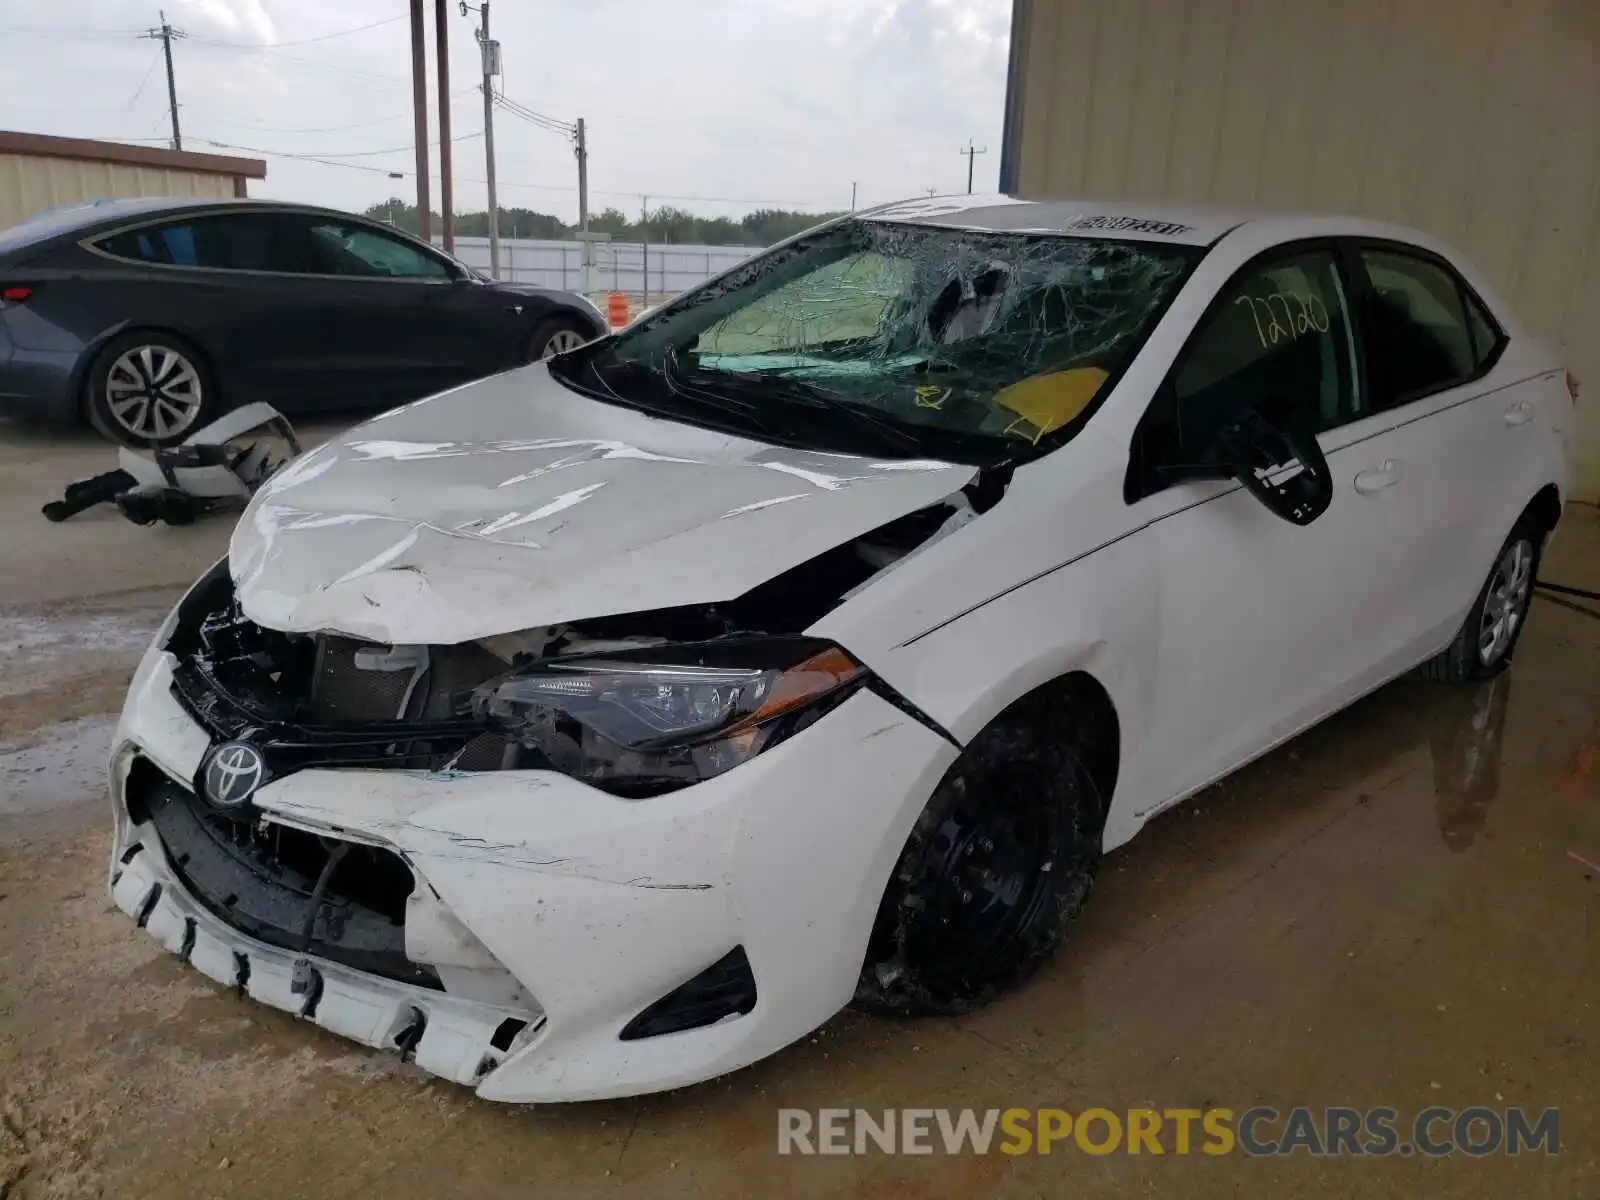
{"type": "Point", "coordinates": [329, 700]}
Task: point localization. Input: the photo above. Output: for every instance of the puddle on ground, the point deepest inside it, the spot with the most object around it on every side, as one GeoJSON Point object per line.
{"type": "Point", "coordinates": [59, 767]}
{"type": "Point", "coordinates": [30, 638]}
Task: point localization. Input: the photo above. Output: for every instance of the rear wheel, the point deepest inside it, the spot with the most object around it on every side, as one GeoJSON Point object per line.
{"type": "Point", "coordinates": [997, 867]}
{"type": "Point", "coordinates": [1484, 644]}
{"type": "Point", "coordinates": [555, 336]}
{"type": "Point", "coordinates": [149, 389]}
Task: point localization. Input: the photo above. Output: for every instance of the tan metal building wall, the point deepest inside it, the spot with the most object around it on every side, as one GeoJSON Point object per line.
{"type": "Point", "coordinates": [39, 173]}
{"type": "Point", "coordinates": [1476, 120]}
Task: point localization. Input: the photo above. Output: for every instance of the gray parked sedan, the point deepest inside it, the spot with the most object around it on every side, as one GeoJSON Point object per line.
{"type": "Point", "coordinates": [149, 317]}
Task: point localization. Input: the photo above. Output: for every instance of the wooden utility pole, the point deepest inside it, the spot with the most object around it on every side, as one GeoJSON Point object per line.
{"type": "Point", "coordinates": [489, 51]}
{"type": "Point", "coordinates": [419, 103]}
{"type": "Point", "coordinates": [167, 35]}
{"type": "Point", "coordinates": [441, 38]}
{"type": "Point", "coordinates": [644, 245]}
{"type": "Point", "coordinates": [972, 153]}
{"type": "Point", "coordinates": [581, 148]}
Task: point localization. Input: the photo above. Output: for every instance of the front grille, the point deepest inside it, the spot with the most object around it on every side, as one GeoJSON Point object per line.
{"type": "Point", "coordinates": [260, 878]}
{"type": "Point", "coordinates": [355, 681]}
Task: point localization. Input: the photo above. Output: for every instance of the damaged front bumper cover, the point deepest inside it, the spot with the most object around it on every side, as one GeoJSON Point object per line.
{"type": "Point", "coordinates": [457, 1039]}
{"type": "Point", "coordinates": [555, 916]}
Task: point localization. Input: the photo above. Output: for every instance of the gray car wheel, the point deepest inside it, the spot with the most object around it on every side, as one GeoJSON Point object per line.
{"type": "Point", "coordinates": [1487, 638]}
{"type": "Point", "coordinates": [1506, 602]}
{"type": "Point", "coordinates": [149, 389]}
{"type": "Point", "coordinates": [555, 336]}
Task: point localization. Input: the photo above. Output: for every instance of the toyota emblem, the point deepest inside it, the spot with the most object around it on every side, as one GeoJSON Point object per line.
{"type": "Point", "coordinates": [233, 773]}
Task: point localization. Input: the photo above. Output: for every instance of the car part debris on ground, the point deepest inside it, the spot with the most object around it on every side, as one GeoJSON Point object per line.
{"type": "Point", "coordinates": [217, 469]}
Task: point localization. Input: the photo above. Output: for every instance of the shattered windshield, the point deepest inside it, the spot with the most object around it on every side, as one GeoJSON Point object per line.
{"type": "Point", "coordinates": [956, 343]}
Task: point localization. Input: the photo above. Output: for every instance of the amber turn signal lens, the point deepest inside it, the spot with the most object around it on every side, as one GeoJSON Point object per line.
{"type": "Point", "coordinates": [803, 683]}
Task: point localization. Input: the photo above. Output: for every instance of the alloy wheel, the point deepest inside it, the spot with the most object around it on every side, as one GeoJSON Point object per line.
{"type": "Point", "coordinates": [561, 341]}
{"type": "Point", "coordinates": [153, 392]}
{"type": "Point", "coordinates": [1506, 602]}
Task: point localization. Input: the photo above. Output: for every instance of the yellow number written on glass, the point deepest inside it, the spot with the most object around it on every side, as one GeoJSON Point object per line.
{"type": "Point", "coordinates": [1284, 316]}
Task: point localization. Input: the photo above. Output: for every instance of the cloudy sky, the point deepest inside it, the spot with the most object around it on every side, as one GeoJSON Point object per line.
{"type": "Point", "coordinates": [716, 105]}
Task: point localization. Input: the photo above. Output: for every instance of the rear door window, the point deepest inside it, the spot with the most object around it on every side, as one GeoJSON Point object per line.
{"type": "Point", "coordinates": [232, 242]}
{"type": "Point", "coordinates": [1424, 331]}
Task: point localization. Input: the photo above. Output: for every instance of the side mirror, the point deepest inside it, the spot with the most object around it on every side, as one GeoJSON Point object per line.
{"type": "Point", "coordinates": [1279, 460]}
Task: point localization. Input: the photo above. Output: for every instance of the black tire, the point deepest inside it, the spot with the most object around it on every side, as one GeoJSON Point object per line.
{"type": "Point", "coordinates": [554, 329]}
{"type": "Point", "coordinates": [997, 867]}
{"type": "Point", "coordinates": [1466, 660]}
{"type": "Point", "coordinates": [171, 415]}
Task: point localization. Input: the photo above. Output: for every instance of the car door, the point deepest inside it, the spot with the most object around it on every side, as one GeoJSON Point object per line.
{"type": "Point", "coordinates": [1463, 442]}
{"type": "Point", "coordinates": [408, 317]}
{"type": "Point", "coordinates": [243, 285]}
{"type": "Point", "coordinates": [1264, 625]}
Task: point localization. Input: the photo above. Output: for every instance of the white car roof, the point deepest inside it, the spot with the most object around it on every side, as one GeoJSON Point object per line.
{"type": "Point", "coordinates": [1153, 220]}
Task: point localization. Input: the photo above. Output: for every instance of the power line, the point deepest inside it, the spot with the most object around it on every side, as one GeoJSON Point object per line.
{"type": "Point", "coordinates": [149, 71]}
{"type": "Point", "coordinates": [472, 91]}
{"type": "Point", "coordinates": [54, 34]}
{"type": "Point", "coordinates": [327, 162]}
{"type": "Point", "coordinates": [332, 161]}
{"type": "Point", "coordinates": [543, 120]}
{"type": "Point", "coordinates": [330, 156]}
{"type": "Point", "coordinates": [322, 67]}
{"type": "Point", "coordinates": [324, 37]}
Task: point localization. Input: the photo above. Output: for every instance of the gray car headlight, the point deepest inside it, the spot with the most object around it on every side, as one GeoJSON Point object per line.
{"type": "Point", "coordinates": [665, 718]}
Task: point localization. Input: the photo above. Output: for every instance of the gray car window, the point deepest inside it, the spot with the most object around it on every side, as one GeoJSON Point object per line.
{"type": "Point", "coordinates": [233, 242]}
{"type": "Point", "coordinates": [349, 248]}
{"type": "Point", "coordinates": [1419, 338]}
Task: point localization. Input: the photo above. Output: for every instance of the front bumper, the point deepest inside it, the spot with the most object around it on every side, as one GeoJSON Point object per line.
{"type": "Point", "coordinates": [590, 907]}
{"type": "Point", "coordinates": [457, 1037]}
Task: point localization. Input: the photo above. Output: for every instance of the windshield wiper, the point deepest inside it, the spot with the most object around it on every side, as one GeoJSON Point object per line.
{"type": "Point", "coordinates": [672, 375]}
{"type": "Point", "coordinates": [762, 385]}
{"type": "Point", "coordinates": [747, 403]}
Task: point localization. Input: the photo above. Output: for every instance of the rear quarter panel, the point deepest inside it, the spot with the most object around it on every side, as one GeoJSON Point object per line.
{"type": "Point", "coordinates": [78, 297]}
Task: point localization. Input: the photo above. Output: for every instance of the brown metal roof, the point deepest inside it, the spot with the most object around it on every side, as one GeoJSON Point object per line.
{"type": "Point", "coordinates": [45, 146]}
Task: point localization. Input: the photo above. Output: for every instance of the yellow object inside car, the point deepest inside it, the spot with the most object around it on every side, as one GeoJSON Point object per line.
{"type": "Point", "coordinates": [1047, 402]}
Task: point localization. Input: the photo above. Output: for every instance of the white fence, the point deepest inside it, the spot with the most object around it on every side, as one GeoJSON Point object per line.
{"type": "Point", "coordinates": [618, 266]}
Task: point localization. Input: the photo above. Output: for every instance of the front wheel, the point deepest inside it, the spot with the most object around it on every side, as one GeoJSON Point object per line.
{"type": "Point", "coordinates": [148, 389]}
{"type": "Point", "coordinates": [555, 336]}
{"type": "Point", "coordinates": [997, 867]}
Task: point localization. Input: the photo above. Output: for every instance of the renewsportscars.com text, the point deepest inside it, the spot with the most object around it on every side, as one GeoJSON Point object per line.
{"type": "Point", "coordinates": [1258, 1132]}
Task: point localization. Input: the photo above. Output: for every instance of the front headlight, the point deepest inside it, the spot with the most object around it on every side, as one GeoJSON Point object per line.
{"type": "Point", "coordinates": [667, 717]}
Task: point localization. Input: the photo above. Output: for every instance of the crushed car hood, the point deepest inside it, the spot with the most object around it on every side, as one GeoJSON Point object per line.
{"type": "Point", "coordinates": [513, 502]}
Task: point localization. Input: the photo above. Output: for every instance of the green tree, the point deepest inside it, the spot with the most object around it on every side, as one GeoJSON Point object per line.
{"type": "Point", "coordinates": [613, 221]}
{"type": "Point", "coordinates": [668, 224]}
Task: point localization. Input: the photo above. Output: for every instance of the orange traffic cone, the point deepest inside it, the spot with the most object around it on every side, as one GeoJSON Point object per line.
{"type": "Point", "coordinates": [617, 310]}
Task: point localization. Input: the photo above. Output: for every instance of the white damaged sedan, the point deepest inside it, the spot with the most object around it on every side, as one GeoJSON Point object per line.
{"type": "Point", "coordinates": [608, 724]}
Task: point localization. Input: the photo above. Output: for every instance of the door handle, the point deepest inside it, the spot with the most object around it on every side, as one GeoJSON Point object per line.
{"type": "Point", "coordinates": [1519, 413]}
{"type": "Point", "coordinates": [1375, 479]}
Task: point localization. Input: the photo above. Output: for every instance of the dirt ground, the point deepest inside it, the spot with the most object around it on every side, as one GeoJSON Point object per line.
{"type": "Point", "coordinates": [1395, 910]}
